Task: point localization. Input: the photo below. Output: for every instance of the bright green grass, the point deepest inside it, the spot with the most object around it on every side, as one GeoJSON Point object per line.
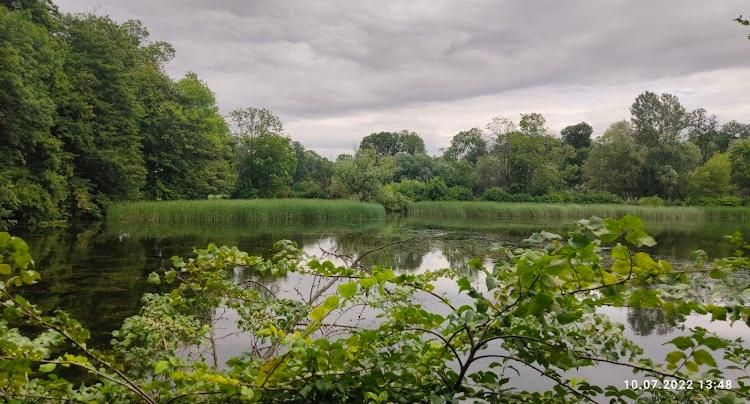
{"type": "Point", "coordinates": [544, 211]}
{"type": "Point", "coordinates": [244, 211]}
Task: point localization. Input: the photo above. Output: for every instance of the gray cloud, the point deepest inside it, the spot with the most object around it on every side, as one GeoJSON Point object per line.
{"type": "Point", "coordinates": [337, 61]}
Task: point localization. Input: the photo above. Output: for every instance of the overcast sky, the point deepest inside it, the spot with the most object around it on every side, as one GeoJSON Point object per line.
{"type": "Point", "coordinates": [335, 71]}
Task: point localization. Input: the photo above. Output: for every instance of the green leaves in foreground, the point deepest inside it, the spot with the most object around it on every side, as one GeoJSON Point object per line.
{"type": "Point", "coordinates": [375, 335]}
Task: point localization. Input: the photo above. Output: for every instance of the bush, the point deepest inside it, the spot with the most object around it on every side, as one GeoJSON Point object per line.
{"type": "Point", "coordinates": [392, 200]}
{"type": "Point", "coordinates": [308, 189]}
{"type": "Point", "coordinates": [651, 201]}
{"type": "Point", "coordinates": [414, 190]}
{"type": "Point", "coordinates": [496, 194]}
{"type": "Point", "coordinates": [459, 193]}
{"type": "Point", "coordinates": [436, 189]}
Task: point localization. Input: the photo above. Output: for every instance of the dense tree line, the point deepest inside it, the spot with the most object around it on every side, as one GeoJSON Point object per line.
{"type": "Point", "coordinates": [89, 116]}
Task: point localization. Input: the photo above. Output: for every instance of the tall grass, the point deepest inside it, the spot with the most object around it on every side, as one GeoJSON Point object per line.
{"type": "Point", "coordinates": [545, 211]}
{"type": "Point", "coordinates": [245, 211]}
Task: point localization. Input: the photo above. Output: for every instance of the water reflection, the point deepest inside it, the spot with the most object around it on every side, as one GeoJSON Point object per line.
{"type": "Point", "coordinates": [98, 273]}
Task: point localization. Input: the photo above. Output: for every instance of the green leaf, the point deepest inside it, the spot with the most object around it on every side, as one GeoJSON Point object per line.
{"type": "Point", "coordinates": [675, 356]}
{"type": "Point", "coordinates": [153, 279]}
{"type": "Point", "coordinates": [331, 302]}
{"type": "Point", "coordinates": [5, 269]}
{"type": "Point", "coordinates": [691, 366]}
{"type": "Point", "coordinates": [161, 366]}
{"type": "Point", "coordinates": [464, 284]}
{"type": "Point", "coordinates": [347, 290]}
{"type": "Point", "coordinates": [682, 342]}
{"type": "Point", "coordinates": [47, 367]}
{"type": "Point", "coordinates": [490, 281]}
{"type": "Point", "coordinates": [368, 282]}
{"type": "Point", "coordinates": [318, 314]}
{"type": "Point", "coordinates": [719, 313]}
{"type": "Point", "coordinates": [703, 357]}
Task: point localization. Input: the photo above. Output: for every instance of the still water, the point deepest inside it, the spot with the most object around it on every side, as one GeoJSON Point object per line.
{"type": "Point", "coordinates": [98, 272]}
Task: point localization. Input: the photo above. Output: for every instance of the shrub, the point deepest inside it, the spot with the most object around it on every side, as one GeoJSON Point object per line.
{"type": "Point", "coordinates": [414, 190]}
{"type": "Point", "coordinates": [651, 201]}
{"type": "Point", "coordinates": [459, 193]}
{"type": "Point", "coordinates": [392, 200]}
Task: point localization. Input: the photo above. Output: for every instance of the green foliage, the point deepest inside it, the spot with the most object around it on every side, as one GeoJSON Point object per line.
{"type": "Point", "coordinates": [739, 154]}
{"type": "Point", "coordinates": [467, 145]}
{"type": "Point", "coordinates": [256, 211]}
{"type": "Point", "coordinates": [266, 167]}
{"type": "Point", "coordinates": [615, 162]}
{"type": "Point", "coordinates": [653, 200]}
{"type": "Point", "coordinates": [392, 143]}
{"type": "Point", "coordinates": [571, 211]}
{"type": "Point", "coordinates": [361, 177]}
{"type": "Point", "coordinates": [712, 178]}
{"type": "Point", "coordinates": [536, 308]}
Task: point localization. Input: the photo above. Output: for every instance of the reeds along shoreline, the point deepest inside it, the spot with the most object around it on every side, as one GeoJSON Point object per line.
{"type": "Point", "coordinates": [252, 211]}
{"type": "Point", "coordinates": [541, 211]}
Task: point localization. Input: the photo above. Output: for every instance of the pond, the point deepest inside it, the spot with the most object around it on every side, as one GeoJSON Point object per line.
{"type": "Point", "coordinates": [97, 273]}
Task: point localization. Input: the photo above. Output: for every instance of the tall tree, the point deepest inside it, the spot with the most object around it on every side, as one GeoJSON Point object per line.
{"type": "Point", "coordinates": [577, 136]}
{"type": "Point", "coordinates": [360, 177]}
{"type": "Point", "coordinates": [533, 124]}
{"type": "Point", "coordinates": [616, 161]}
{"type": "Point", "coordinates": [266, 167]}
{"type": "Point", "coordinates": [34, 169]}
{"type": "Point", "coordinates": [254, 122]}
{"type": "Point", "coordinates": [391, 143]}
{"type": "Point", "coordinates": [703, 131]}
{"type": "Point", "coordinates": [187, 144]}
{"type": "Point", "coordinates": [467, 145]}
{"type": "Point", "coordinates": [658, 119]}
{"type": "Point", "coordinates": [739, 155]}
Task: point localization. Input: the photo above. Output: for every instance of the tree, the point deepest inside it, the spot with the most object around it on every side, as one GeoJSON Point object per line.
{"type": "Point", "coordinates": [578, 135]}
{"type": "Point", "coordinates": [254, 122]}
{"type": "Point", "coordinates": [413, 166]}
{"type": "Point", "coordinates": [361, 177]}
{"type": "Point", "coordinates": [538, 163]}
{"type": "Point", "coordinates": [186, 142]}
{"type": "Point", "coordinates": [490, 173]}
{"type": "Point", "coordinates": [533, 124]}
{"type": "Point", "coordinates": [730, 132]}
{"type": "Point", "coordinates": [703, 131]}
{"type": "Point", "coordinates": [616, 162]}
{"type": "Point", "coordinates": [467, 145]}
{"type": "Point", "coordinates": [739, 155]}
{"type": "Point", "coordinates": [457, 173]}
{"type": "Point", "coordinates": [391, 143]}
{"type": "Point", "coordinates": [266, 167]}
{"type": "Point", "coordinates": [658, 119]}
{"type": "Point", "coordinates": [35, 170]}
{"type": "Point", "coordinates": [713, 178]}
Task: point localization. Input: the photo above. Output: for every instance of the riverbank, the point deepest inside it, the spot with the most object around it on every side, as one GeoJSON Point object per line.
{"type": "Point", "coordinates": [244, 211]}
{"type": "Point", "coordinates": [543, 211]}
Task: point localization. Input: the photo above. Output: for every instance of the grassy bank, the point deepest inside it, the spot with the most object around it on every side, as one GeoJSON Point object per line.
{"type": "Point", "coordinates": [543, 211]}
{"type": "Point", "coordinates": [246, 211]}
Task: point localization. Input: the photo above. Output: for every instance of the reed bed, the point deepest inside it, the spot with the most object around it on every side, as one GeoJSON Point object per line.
{"type": "Point", "coordinates": [245, 211]}
{"type": "Point", "coordinates": [544, 211]}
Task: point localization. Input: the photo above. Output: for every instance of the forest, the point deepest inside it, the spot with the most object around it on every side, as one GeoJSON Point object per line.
{"type": "Point", "coordinates": [89, 117]}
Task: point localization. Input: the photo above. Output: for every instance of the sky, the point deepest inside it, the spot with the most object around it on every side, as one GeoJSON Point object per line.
{"type": "Point", "coordinates": [335, 71]}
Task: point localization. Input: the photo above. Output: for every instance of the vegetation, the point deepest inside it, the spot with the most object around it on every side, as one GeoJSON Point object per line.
{"type": "Point", "coordinates": [91, 118]}
{"type": "Point", "coordinates": [494, 210]}
{"type": "Point", "coordinates": [256, 211]}
{"type": "Point", "coordinates": [535, 310]}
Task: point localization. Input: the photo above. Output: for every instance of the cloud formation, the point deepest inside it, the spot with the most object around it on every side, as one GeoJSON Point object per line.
{"type": "Point", "coordinates": [337, 70]}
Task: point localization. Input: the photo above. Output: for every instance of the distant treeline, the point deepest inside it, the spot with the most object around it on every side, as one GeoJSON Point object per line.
{"type": "Point", "coordinates": [88, 116]}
